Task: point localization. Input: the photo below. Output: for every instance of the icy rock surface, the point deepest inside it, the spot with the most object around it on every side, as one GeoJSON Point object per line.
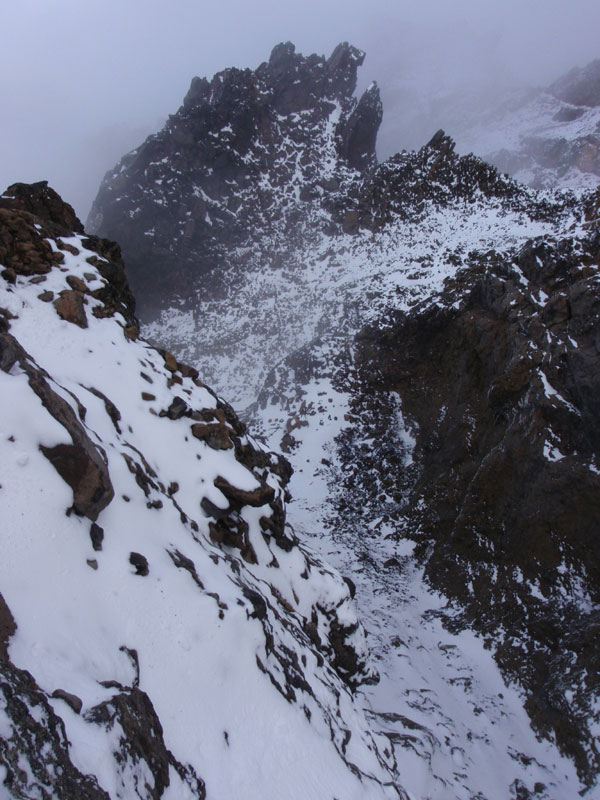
{"type": "Point", "coordinates": [163, 632]}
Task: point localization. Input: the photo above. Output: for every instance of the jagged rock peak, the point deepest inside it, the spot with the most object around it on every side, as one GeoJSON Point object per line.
{"type": "Point", "coordinates": [360, 134]}
{"type": "Point", "coordinates": [248, 151]}
{"type": "Point", "coordinates": [292, 82]}
{"type": "Point", "coordinates": [441, 141]}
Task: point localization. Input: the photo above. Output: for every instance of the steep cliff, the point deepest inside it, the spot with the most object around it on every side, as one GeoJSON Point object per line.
{"type": "Point", "coordinates": [249, 152]}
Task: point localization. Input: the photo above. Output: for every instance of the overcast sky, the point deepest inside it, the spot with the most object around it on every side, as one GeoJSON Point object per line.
{"type": "Point", "coordinates": [84, 81]}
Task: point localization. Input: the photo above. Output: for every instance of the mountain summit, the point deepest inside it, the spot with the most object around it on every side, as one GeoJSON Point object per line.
{"type": "Point", "coordinates": [248, 151]}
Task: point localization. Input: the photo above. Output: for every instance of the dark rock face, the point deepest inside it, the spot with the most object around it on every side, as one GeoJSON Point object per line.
{"type": "Point", "coordinates": [360, 135]}
{"type": "Point", "coordinates": [580, 86]}
{"type": "Point", "coordinates": [141, 741]}
{"type": "Point", "coordinates": [7, 627]}
{"type": "Point", "coordinates": [30, 727]}
{"type": "Point", "coordinates": [248, 152]}
{"type": "Point", "coordinates": [499, 377]}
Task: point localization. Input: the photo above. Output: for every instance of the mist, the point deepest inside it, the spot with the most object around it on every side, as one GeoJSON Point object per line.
{"type": "Point", "coordinates": [85, 82]}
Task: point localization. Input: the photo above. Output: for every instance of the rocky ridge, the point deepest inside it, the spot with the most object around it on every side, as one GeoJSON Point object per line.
{"type": "Point", "coordinates": [461, 418]}
{"type": "Point", "coordinates": [502, 495]}
{"type": "Point", "coordinates": [247, 152]}
{"type": "Point", "coordinates": [177, 621]}
{"type": "Point", "coordinates": [432, 324]}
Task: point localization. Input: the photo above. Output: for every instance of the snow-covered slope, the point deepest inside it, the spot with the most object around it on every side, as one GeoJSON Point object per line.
{"type": "Point", "coordinates": [163, 633]}
{"type": "Point", "coordinates": [538, 139]}
{"type": "Point", "coordinates": [432, 219]}
{"type": "Point", "coordinates": [547, 137]}
{"type": "Point", "coordinates": [420, 339]}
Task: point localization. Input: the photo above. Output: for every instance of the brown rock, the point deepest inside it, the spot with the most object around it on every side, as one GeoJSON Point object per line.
{"type": "Point", "coordinates": [76, 283]}
{"type": "Point", "coordinates": [68, 247]}
{"type": "Point", "coordinates": [233, 533]}
{"type": "Point", "coordinates": [42, 201]}
{"type": "Point", "coordinates": [81, 464]}
{"type": "Point", "coordinates": [23, 248]}
{"type": "Point", "coordinates": [257, 497]}
{"type": "Point", "coordinates": [170, 362]}
{"type": "Point", "coordinates": [176, 410]}
{"type": "Point", "coordinates": [187, 371]}
{"type": "Point", "coordinates": [7, 627]}
{"type": "Point", "coordinates": [70, 699]}
{"type": "Point", "coordinates": [97, 536]}
{"type": "Point", "coordinates": [75, 467]}
{"type": "Point", "coordinates": [140, 563]}
{"type": "Point", "coordinates": [216, 435]}
{"type": "Point", "coordinates": [69, 306]}
{"type": "Point", "coordinates": [132, 332]}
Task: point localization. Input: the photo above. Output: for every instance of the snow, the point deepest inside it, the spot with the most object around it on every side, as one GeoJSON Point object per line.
{"type": "Point", "coordinates": [274, 312]}
{"type": "Point", "coordinates": [197, 649]}
{"type": "Point", "coordinates": [456, 726]}
{"type": "Point", "coordinates": [458, 729]}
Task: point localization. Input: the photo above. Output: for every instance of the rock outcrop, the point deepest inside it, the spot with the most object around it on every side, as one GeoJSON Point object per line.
{"type": "Point", "coordinates": [498, 376]}
{"type": "Point", "coordinates": [247, 152]}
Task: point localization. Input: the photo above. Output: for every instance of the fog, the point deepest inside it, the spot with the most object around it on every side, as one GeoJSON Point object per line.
{"type": "Point", "coordinates": [84, 81]}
